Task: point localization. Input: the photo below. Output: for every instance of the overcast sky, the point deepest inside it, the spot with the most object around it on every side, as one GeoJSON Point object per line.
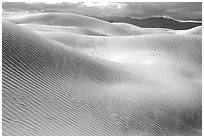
{"type": "Point", "coordinates": [177, 10]}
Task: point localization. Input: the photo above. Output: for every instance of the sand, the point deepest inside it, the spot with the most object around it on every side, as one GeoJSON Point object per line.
{"type": "Point", "coordinates": [193, 31]}
{"type": "Point", "coordinates": [83, 76]}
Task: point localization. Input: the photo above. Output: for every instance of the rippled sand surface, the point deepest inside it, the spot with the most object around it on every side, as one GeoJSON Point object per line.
{"type": "Point", "coordinates": [67, 74]}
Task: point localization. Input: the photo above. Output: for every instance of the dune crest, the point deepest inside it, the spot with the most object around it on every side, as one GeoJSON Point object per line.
{"type": "Point", "coordinates": [69, 29]}
{"type": "Point", "coordinates": [193, 31]}
{"type": "Point", "coordinates": [67, 19]}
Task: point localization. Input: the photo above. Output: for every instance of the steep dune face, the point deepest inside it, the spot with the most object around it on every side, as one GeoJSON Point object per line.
{"type": "Point", "coordinates": [61, 83]}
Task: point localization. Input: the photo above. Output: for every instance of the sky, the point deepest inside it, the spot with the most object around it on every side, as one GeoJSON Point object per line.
{"type": "Point", "coordinates": [177, 10]}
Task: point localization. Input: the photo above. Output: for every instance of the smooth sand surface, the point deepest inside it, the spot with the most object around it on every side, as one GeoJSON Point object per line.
{"type": "Point", "coordinates": [193, 31]}
{"type": "Point", "coordinates": [68, 29]}
{"type": "Point", "coordinates": [66, 74]}
{"type": "Point", "coordinates": [65, 19]}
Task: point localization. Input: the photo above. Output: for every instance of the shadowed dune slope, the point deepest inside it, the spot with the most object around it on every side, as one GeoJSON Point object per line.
{"type": "Point", "coordinates": [50, 88]}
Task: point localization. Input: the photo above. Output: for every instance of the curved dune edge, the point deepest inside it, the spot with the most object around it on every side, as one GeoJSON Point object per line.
{"type": "Point", "coordinates": [193, 31]}
{"type": "Point", "coordinates": [52, 89]}
{"type": "Point", "coordinates": [68, 29]}
{"type": "Point", "coordinates": [67, 19]}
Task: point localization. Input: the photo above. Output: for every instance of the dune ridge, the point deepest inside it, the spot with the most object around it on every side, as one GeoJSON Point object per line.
{"type": "Point", "coordinates": [69, 29]}
{"type": "Point", "coordinates": [66, 19]}
{"type": "Point", "coordinates": [193, 31]}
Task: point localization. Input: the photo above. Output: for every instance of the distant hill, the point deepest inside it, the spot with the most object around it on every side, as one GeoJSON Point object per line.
{"type": "Point", "coordinates": [154, 22]}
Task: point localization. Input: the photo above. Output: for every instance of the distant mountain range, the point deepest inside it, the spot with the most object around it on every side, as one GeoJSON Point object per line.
{"type": "Point", "coordinates": [154, 22]}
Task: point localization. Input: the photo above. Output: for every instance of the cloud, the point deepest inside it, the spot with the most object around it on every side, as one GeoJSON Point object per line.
{"type": "Point", "coordinates": [177, 10]}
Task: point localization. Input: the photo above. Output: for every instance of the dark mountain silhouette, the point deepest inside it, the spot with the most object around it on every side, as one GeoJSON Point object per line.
{"type": "Point", "coordinates": [154, 22]}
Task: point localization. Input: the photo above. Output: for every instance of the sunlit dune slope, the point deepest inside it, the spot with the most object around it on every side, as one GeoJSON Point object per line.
{"type": "Point", "coordinates": [193, 31]}
{"type": "Point", "coordinates": [66, 19]}
{"type": "Point", "coordinates": [144, 31]}
{"type": "Point", "coordinates": [61, 83]}
{"type": "Point", "coordinates": [69, 29]}
{"type": "Point", "coordinates": [185, 47]}
{"type": "Point", "coordinates": [158, 52]}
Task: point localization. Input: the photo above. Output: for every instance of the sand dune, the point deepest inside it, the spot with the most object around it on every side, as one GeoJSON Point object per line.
{"type": "Point", "coordinates": [66, 19]}
{"type": "Point", "coordinates": [184, 47]}
{"type": "Point", "coordinates": [140, 51]}
{"type": "Point", "coordinates": [61, 77]}
{"type": "Point", "coordinates": [127, 26]}
{"type": "Point", "coordinates": [193, 31]}
{"type": "Point", "coordinates": [49, 69]}
{"type": "Point", "coordinates": [146, 31]}
{"type": "Point", "coordinates": [69, 29]}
